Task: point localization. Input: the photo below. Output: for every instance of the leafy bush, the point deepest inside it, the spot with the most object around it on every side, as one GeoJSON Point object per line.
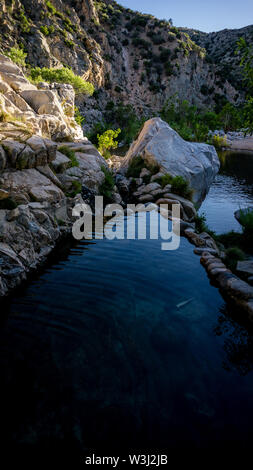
{"type": "Point", "coordinates": [24, 21]}
{"type": "Point", "coordinates": [244, 240]}
{"type": "Point", "coordinates": [181, 187]}
{"type": "Point", "coordinates": [70, 154]}
{"type": "Point", "coordinates": [233, 255]}
{"type": "Point", "coordinates": [246, 220]}
{"type": "Point", "coordinates": [76, 189]}
{"type": "Point", "coordinates": [164, 180]}
{"type": "Point", "coordinates": [178, 185]}
{"type": "Point", "coordinates": [247, 64]}
{"type": "Point", "coordinates": [136, 165]}
{"type": "Point", "coordinates": [79, 118]}
{"type": "Point", "coordinates": [106, 141]}
{"type": "Point", "coordinates": [47, 30]}
{"type": "Point", "coordinates": [106, 188]}
{"type": "Point", "coordinates": [200, 223]}
{"type": "Point", "coordinates": [69, 43]}
{"type": "Point", "coordinates": [17, 55]}
{"type": "Point", "coordinates": [63, 75]}
{"type": "Point", "coordinates": [219, 141]}
{"type": "Point", "coordinates": [51, 8]}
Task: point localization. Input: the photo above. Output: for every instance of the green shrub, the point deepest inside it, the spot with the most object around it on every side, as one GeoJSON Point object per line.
{"type": "Point", "coordinates": [79, 118]}
{"type": "Point", "coordinates": [62, 75]}
{"type": "Point", "coordinates": [106, 141]}
{"type": "Point", "coordinates": [106, 188]}
{"type": "Point", "coordinates": [181, 187]}
{"type": "Point", "coordinates": [70, 154]}
{"type": "Point", "coordinates": [24, 21]}
{"type": "Point", "coordinates": [200, 223]}
{"type": "Point", "coordinates": [69, 43]}
{"type": "Point", "coordinates": [246, 220]}
{"type": "Point", "coordinates": [47, 30]}
{"type": "Point", "coordinates": [164, 180]}
{"type": "Point", "coordinates": [51, 8]}
{"type": "Point", "coordinates": [136, 165]}
{"type": "Point", "coordinates": [76, 189]}
{"type": "Point", "coordinates": [233, 255]}
{"type": "Point", "coordinates": [219, 141]}
{"type": "Point", "coordinates": [17, 55]}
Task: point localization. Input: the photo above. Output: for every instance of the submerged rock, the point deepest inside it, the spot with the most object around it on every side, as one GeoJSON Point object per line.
{"type": "Point", "coordinates": [159, 145]}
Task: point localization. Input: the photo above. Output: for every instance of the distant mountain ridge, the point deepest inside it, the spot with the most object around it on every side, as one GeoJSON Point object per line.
{"type": "Point", "coordinates": [129, 57]}
{"type": "Point", "coordinates": [220, 47]}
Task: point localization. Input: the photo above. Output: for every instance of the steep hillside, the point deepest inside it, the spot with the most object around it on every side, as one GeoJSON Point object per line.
{"type": "Point", "coordinates": [221, 47]}
{"type": "Point", "coordinates": [129, 57]}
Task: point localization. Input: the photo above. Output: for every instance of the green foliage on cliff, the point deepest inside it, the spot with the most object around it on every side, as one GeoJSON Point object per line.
{"type": "Point", "coordinates": [106, 188]}
{"type": "Point", "coordinates": [63, 75]}
{"type": "Point", "coordinates": [79, 118]}
{"type": "Point", "coordinates": [17, 55]}
{"type": "Point", "coordinates": [70, 154]}
{"type": "Point", "coordinates": [47, 30]}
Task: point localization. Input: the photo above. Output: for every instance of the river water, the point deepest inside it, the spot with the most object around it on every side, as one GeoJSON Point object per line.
{"type": "Point", "coordinates": [95, 354]}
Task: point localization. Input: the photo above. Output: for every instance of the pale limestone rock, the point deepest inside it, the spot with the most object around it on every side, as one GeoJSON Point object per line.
{"type": "Point", "coordinates": [43, 102]}
{"type": "Point", "coordinates": [158, 144]}
{"type": "Point", "coordinates": [187, 205]}
{"type": "Point", "coordinates": [61, 162]}
{"type": "Point", "coordinates": [30, 185]}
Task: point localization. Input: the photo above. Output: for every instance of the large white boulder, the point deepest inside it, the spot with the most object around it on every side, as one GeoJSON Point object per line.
{"type": "Point", "coordinates": [158, 144]}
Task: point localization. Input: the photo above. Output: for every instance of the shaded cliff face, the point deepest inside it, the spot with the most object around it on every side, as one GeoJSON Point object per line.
{"type": "Point", "coordinates": [220, 47]}
{"type": "Point", "coordinates": [128, 56]}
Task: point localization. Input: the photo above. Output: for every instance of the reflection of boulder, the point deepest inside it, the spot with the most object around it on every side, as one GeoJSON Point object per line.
{"type": "Point", "coordinates": [158, 144]}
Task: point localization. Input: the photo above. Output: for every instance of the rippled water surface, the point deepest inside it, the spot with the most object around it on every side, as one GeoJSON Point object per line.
{"type": "Point", "coordinates": [96, 355]}
{"type": "Point", "coordinates": [232, 190]}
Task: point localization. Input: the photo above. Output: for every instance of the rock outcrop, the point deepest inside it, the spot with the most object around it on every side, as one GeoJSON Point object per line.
{"type": "Point", "coordinates": [46, 165]}
{"type": "Point", "coordinates": [26, 110]}
{"type": "Point", "coordinates": [130, 57]}
{"type": "Point", "coordinates": [159, 145]}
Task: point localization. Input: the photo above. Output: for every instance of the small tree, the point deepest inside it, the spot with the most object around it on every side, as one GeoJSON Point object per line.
{"type": "Point", "coordinates": [106, 141]}
{"type": "Point", "coordinates": [247, 64]}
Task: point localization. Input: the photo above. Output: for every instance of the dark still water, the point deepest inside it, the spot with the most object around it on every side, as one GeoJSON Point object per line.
{"type": "Point", "coordinates": [96, 356]}
{"type": "Point", "coordinates": [232, 190]}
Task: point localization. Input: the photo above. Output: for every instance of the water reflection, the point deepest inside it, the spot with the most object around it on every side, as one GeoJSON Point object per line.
{"type": "Point", "coordinates": [232, 189]}
{"type": "Point", "coordinates": [95, 354]}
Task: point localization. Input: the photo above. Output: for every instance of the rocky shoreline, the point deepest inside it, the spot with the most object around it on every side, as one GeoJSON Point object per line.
{"type": "Point", "coordinates": [47, 166]}
{"type": "Point", "coordinates": [230, 285]}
